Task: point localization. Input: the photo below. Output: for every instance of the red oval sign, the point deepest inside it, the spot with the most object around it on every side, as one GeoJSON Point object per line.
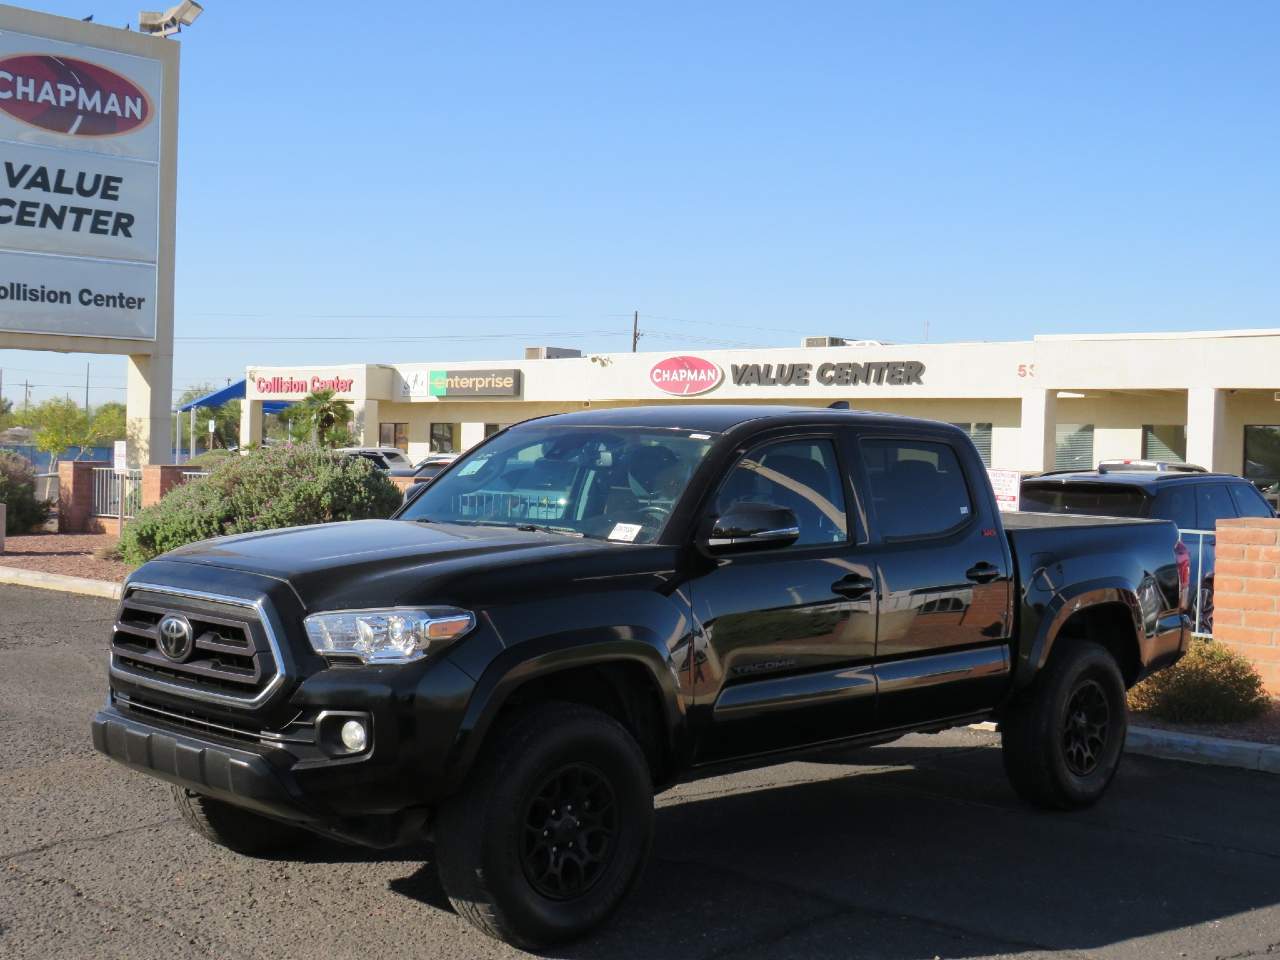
{"type": "Point", "coordinates": [685, 376]}
{"type": "Point", "coordinates": [71, 96]}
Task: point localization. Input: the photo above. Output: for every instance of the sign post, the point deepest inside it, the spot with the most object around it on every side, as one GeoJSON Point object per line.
{"type": "Point", "coordinates": [1007, 485]}
{"type": "Point", "coordinates": [88, 143]}
{"type": "Point", "coordinates": [120, 465]}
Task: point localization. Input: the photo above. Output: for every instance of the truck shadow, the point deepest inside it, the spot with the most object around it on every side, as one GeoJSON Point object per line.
{"type": "Point", "coordinates": [909, 853]}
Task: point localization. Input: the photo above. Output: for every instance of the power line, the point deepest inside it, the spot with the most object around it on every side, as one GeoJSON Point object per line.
{"type": "Point", "coordinates": [405, 338]}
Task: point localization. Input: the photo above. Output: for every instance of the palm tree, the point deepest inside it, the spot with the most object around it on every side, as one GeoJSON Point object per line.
{"type": "Point", "coordinates": [326, 420]}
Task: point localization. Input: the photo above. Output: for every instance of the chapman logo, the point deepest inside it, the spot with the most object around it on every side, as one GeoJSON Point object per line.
{"type": "Point", "coordinates": [71, 96]}
{"type": "Point", "coordinates": [685, 376]}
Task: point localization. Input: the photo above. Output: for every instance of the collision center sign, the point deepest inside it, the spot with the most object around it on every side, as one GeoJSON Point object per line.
{"type": "Point", "coordinates": [685, 376]}
{"type": "Point", "coordinates": [79, 185]}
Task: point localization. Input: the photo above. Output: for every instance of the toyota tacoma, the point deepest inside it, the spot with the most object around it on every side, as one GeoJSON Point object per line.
{"type": "Point", "coordinates": [586, 608]}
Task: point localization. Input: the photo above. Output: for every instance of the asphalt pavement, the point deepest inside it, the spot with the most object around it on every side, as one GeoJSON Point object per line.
{"type": "Point", "coordinates": [909, 851]}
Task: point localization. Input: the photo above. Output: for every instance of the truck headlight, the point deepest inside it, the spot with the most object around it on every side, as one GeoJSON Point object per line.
{"type": "Point", "coordinates": [387, 636]}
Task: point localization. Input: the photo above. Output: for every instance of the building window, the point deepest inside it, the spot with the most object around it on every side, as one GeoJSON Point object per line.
{"type": "Point", "coordinates": [394, 435]}
{"type": "Point", "coordinates": [444, 437]}
{"type": "Point", "coordinates": [1167, 442]}
{"type": "Point", "coordinates": [980, 434]}
{"type": "Point", "coordinates": [490, 429]}
{"type": "Point", "coordinates": [1074, 448]}
{"type": "Point", "coordinates": [1262, 454]}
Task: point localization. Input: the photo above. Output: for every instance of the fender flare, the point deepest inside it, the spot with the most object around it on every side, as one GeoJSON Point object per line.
{"type": "Point", "coordinates": [544, 656]}
{"type": "Point", "coordinates": [1065, 604]}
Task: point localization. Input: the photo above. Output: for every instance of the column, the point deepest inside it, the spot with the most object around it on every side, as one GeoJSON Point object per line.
{"type": "Point", "coordinates": [1206, 410]}
{"type": "Point", "coordinates": [149, 409]}
{"type": "Point", "coordinates": [1038, 434]}
{"type": "Point", "coordinates": [471, 434]}
{"type": "Point", "coordinates": [365, 426]}
{"type": "Point", "coordinates": [250, 423]}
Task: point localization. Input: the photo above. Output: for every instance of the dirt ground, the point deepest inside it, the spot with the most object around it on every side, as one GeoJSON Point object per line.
{"type": "Point", "coordinates": [71, 554]}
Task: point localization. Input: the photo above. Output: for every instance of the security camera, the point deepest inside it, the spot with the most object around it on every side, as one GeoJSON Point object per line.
{"type": "Point", "coordinates": [168, 22]}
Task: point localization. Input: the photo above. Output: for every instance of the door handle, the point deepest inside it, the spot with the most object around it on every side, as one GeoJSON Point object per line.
{"type": "Point", "coordinates": [854, 586]}
{"type": "Point", "coordinates": [982, 572]}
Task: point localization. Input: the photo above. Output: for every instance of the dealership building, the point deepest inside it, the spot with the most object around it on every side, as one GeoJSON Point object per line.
{"type": "Point", "coordinates": [1211, 398]}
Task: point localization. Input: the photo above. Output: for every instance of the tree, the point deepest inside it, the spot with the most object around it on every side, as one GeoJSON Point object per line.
{"type": "Point", "coordinates": [6, 413]}
{"type": "Point", "coordinates": [109, 423]}
{"type": "Point", "coordinates": [58, 425]}
{"type": "Point", "coordinates": [321, 419]}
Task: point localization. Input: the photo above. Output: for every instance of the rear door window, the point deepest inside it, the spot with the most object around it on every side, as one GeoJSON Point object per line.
{"type": "Point", "coordinates": [917, 488]}
{"type": "Point", "coordinates": [1177, 504]}
{"type": "Point", "coordinates": [1213, 503]}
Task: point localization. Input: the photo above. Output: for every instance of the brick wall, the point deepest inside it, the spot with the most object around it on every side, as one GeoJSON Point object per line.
{"type": "Point", "coordinates": [75, 496]}
{"type": "Point", "coordinates": [157, 480]}
{"type": "Point", "coordinates": [1246, 593]}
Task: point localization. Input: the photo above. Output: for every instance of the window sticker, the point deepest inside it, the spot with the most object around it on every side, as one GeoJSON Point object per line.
{"type": "Point", "coordinates": [473, 467]}
{"type": "Point", "coordinates": [626, 532]}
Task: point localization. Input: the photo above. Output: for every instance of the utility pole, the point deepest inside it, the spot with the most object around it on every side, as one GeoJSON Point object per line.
{"type": "Point", "coordinates": [86, 389]}
{"type": "Point", "coordinates": [635, 330]}
{"type": "Point", "coordinates": [26, 394]}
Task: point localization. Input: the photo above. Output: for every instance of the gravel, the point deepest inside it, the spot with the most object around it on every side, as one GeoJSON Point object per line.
{"type": "Point", "coordinates": [72, 554]}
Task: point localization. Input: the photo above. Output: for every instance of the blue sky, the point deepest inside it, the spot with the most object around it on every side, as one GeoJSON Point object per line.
{"type": "Point", "coordinates": [741, 173]}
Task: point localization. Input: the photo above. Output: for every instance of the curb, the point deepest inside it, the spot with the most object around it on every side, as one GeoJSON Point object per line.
{"type": "Point", "coordinates": [17, 576]}
{"type": "Point", "coordinates": [1194, 748]}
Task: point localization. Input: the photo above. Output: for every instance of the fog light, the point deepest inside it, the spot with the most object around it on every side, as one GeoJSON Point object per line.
{"type": "Point", "coordinates": [354, 736]}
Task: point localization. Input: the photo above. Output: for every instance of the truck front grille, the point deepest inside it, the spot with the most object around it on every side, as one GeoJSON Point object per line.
{"type": "Point", "coordinates": [231, 657]}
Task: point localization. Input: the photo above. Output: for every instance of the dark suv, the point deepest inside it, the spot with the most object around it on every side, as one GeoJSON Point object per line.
{"type": "Point", "coordinates": [1190, 496]}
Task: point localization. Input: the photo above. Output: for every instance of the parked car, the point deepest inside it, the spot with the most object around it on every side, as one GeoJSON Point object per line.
{"type": "Point", "coordinates": [384, 458]}
{"type": "Point", "coordinates": [591, 607]}
{"type": "Point", "coordinates": [1190, 496]}
{"type": "Point", "coordinates": [426, 469]}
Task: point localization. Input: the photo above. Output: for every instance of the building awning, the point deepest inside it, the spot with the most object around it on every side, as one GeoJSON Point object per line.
{"type": "Point", "coordinates": [234, 391]}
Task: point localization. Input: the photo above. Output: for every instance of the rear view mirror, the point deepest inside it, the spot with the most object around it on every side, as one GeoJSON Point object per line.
{"type": "Point", "coordinates": [752, 526]}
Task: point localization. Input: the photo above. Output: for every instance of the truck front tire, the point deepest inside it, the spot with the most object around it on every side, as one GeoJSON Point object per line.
{"type": "Point", "coordinates": [552, 828]}
{"type": "Point", "coordinates": [236, 829]}
{"type": "Point", "coordinates": [1063, 739]}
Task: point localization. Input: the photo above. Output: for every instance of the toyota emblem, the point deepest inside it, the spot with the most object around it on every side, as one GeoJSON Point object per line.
{"type": "Point", "coordinates": [176, 638]}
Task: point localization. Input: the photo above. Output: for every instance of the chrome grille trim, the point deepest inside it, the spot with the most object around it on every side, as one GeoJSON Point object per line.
{"type": "Point", "coordinates": [208, 696]}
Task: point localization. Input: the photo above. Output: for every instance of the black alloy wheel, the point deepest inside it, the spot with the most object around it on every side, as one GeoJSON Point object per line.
{"type": "Point", "coordinates": [570, 826]}
{"type": "Point", "coordinates": [1085, 728]}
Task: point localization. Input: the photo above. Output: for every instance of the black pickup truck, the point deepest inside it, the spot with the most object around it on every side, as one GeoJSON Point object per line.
{"type": "Point", "coordinates": [586, 608]}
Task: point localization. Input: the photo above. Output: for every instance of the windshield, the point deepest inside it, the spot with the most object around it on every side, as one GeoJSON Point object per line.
{"type": "Point", "coordinates": [1093, 500]}
{"type": "Point", "coordinates": [608, 483]}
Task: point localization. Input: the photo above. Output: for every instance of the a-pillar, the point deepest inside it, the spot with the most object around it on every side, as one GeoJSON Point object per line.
{"type": "Point", "coordinates": [250, 423]}
{"type": "Point", "coordinates": [1038, 437]}
{"type": "Point", "coordinates": [1206, 408]}
{"type": "Point", "coordinates": [149, 408]}
{"type": "Point", "coordinates": [366, 423]}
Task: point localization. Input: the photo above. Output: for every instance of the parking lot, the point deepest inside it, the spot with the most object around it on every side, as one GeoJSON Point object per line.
{"type": "Point", "coordinates": [916, 849]}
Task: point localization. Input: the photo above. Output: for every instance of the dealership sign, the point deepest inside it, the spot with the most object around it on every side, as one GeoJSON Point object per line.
{"type": "Point", "coordinates": [79, 185]}
{"type": "Point", "coordinates": [289, 385]}
{"type": "Point", "coordinates": [504, 382]}
{"type": "Point", "coordinates": [893, 372]}
{"type": "Point", "coordinates": [685, 376]}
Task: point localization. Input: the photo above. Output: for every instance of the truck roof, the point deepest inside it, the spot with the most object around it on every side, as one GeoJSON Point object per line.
{"type": "Point", "coordinates": [718, 417]}
{"type": "Point", "coordinates": [1146, 480]}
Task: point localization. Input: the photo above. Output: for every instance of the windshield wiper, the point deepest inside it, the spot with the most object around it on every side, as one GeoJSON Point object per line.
{"type": "Point", "coordinates": [543, 528]}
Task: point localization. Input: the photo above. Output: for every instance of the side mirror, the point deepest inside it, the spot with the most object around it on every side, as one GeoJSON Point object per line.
{"type": "Point", "coordinates": [752, 526]}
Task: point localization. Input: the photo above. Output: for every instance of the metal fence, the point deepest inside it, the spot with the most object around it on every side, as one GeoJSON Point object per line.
{"type": "Point", "coordinates": [188, 475]}
{"type": "Point", "coordinates": [111, 490]}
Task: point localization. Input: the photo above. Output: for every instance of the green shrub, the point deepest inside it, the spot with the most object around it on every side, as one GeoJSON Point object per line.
{"type": "Point", "coordinates": [209, 459]}
{"type": "Point", "coordinates": [1210, 684]}
{"type": "Point", "coordinates": [263, 490]}
{"type": "Point", "coordinates": [18, 493]}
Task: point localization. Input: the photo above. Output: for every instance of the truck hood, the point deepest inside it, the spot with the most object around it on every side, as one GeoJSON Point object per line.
{"type": "Point", "coordinates": [377, 562]}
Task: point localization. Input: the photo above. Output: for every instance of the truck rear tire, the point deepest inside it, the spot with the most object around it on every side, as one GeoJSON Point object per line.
{"type": "Point", "coordinates": [234, 828]}
{"type": "Point", "coordinates": [1063, 739]}
{"type": "Point", "coordinates": [551, 830]}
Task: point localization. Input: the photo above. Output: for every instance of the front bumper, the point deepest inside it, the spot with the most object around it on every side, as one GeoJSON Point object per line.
{"type": "Point", "coordinates": [245, 778]}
